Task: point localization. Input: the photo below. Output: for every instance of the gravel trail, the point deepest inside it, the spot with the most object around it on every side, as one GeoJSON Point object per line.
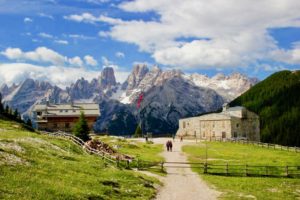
{"type": "Point", "coordinates": [182, 183]}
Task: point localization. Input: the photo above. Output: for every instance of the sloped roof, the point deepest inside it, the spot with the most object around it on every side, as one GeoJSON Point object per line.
{"type": "Point", "coordinates": [59, 110]}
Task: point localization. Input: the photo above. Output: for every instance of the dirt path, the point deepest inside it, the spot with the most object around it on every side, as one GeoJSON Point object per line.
{"type": "Point", "coordinates": [182, 183]}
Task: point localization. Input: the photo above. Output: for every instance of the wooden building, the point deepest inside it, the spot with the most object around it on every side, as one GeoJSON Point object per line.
{"type": "Point", "coordinates": [231, 123]}
{"type": "Point", "coordinates": [63, 117]}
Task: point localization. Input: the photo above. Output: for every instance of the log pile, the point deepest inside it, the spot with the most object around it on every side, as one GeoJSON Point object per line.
{"type": "Point", "coordinates": [103, 147]}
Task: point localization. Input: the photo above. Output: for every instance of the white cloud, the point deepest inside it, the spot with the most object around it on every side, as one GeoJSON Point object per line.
{"type": "Point", "coordinates": [89, 60]}
{"type": "Point", "coordinates": [46, 16]}
{"type": "Point", "coordinates": [85, 17]}
{"type": "Point", "coordinates": [45, 35]}
{"type": "Point", "coordinates": [76, 61]}
{"type": "Point", "coordinates": [82, 37]}
{"type": "Point", "coordinates": [27, 20]}
{"type": "Point", "coordinates": [40, 54]}
{"type": "Point", "coordinates": [107, 63]}
{"type": "Point", "coordinates": [203, 34]}
{"type": "Point", "coordinates": [120, 54]}
{"type": "Point", "coordinates": [65, 42]}
{"type": "Point", "coordinates": [59, 75]}
{"type": "Point", "coordinates": [291, 56]}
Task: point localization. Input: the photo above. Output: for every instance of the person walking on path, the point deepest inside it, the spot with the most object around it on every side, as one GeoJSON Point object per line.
{"type": "Point", "coordinates": [168, 145]}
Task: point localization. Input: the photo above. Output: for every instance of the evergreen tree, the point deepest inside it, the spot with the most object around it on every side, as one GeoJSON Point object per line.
{"type": "Point", "coordinates": [1, 105]}
{"type": "Point", "coordinates": [138, 131]}
{"type": "Point", "coordinates": [81, 128]}
{"type": "Point", "coordinates": [29, 123]}
{"type": "Point", "coordinates": [6, 111]}
{"type": "Point", "coordinates": [16, 114]}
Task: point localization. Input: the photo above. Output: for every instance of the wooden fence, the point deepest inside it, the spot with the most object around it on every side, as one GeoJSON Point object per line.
{"type": "Point", "coordinates": [237, 170]}
{"type": "Point", "coordinates": [102, 154]}
{"type": "Point", "coordinates": [260, 144]}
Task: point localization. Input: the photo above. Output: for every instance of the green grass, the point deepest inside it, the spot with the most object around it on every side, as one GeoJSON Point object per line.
{"type": "Point", "coordinates": [142, 150]}
{"type": "Point", "coordinates": [34, 166]}
{"type": "Point", "coordinates": [246, 187]}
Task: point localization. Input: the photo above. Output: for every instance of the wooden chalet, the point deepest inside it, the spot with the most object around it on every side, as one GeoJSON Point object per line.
{"type": "Point", "coordinates": [63, 117]}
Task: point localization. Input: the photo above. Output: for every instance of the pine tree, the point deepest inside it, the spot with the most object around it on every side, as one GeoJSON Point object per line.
{"type": "Point", "coordinates": [138, 131]}
{"type": "Point", "coordinates": [29, 123]}
{"type": "Point", "coordinates": [1, 105]}
{"type": "Point", "coordinates": [81, 128]}
{"type": "Point", "coordinates": [6, 111]}
{"type": "Point", "coordinates": [16, 114]}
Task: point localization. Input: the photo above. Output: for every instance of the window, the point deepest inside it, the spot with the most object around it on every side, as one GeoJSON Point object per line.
{"type": "Point", "coordinates": [74, 110]}
{"type": "Point", "coordinates": [60, 110]}
{"type": "Point", "coordinates": [39, 113]}
{"type": "Point", "coordinates": [235, 134]}
{"type": "Point", "coordinates": [213, 134]}
{"type": "Point", "coordinates": [66, 110]}
{"type": "Point", "coordinates": [203, 134]}
{"type": "Point", "coordinates": [67, 125]}
{"type": "Point", "coordinates": [223, 134]}
{"type": "Point", "coordinates": [237, 125]}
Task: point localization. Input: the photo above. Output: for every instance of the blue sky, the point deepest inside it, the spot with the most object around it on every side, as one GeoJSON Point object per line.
{"type": "Point", "coordinates": [59, 40]}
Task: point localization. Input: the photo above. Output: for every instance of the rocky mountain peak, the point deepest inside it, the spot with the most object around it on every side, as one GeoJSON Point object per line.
{"type": "Point", "coordinates": [107, 78]}
{"type": "Point", "coordinates": [4, 90]}
{"type": "Point", "coordinates": [138, 73]}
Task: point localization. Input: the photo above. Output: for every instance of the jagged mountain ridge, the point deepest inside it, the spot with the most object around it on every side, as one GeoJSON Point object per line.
{"type": "Point", "coordinates": [168, 96]}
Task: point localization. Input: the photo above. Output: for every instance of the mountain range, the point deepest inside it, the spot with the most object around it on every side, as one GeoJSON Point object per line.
{"type": "Point", "coordinates": [168, 96]}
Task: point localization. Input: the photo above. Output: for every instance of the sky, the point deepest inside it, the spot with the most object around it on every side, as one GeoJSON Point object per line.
{"type": "Point", "coordinates": [62, 40]}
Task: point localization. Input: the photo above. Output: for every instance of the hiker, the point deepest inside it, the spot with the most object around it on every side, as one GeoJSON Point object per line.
{"type": "Point", "coordinates": [168, 145]}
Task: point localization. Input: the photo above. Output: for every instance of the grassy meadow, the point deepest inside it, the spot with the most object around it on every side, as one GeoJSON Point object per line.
{"type": "Point", "coordinates": [34, 166]}
{"type": "Point", "coordinates": [247, 187]}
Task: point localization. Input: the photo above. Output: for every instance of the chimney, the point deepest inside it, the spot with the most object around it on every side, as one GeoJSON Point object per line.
{"type": "Point", "coordinates": [225, 107]}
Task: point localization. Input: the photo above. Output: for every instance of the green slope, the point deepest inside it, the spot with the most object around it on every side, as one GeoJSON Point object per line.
{"type": "Point", "coordinates": [34, 166]}
{"type": "Point", "coordinates": [277, 101]}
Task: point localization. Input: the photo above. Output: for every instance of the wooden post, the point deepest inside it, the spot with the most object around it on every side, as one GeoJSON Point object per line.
{"type": "Point", "coordinates": [162, 166]}
{"type": "Point", "coordinates": [287, 170]}
{"type": "Point", "coordinates": [226, 169]}
{"type": "Point", "coordinates": [205, 168]}
{"type": "Point", "coordinates": [128, 164]}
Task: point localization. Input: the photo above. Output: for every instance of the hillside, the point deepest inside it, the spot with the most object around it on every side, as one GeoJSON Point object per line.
{"type": "Point", "coordinates": [35, 166]}
{"type": "Point", "coordinates": [277, 101]}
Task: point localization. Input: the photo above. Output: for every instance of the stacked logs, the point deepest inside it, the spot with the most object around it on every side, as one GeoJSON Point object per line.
{"type": "Point", "coordinates": [103, 147]}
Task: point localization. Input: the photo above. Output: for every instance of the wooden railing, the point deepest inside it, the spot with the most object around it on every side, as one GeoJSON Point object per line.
{"type": "Point", "coordinates": [104, 155]}
{"type": "Point", "coordinates": [237, 170]}
{"type": "Point", "coordinates": [260, 144]}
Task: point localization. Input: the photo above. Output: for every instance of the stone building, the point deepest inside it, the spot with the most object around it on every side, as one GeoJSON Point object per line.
{"type": "Point", "coordinates": [63, 117]}
{"type": "Point", "coordinates": [231, 123]}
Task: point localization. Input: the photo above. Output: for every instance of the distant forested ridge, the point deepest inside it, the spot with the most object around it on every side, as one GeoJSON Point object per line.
{"type": "Point", "coordinates": [277, 101]}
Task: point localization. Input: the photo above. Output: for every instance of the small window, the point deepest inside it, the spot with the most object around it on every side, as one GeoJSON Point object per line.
{"type": "Point", "coordinates": [66, 110]}
{"type": "Point", "coordinates": [39, 113]}
{"type": "Point", "coordinates": [235, 134]}
{"type": "Point", "coordinates": [60, 110]}
{"type": "Point", "coordinates": [237, 125]}
{"type": "Point", "coordinates": [74, 110]}
{"type": "Point", "coordinates": [203, 134]}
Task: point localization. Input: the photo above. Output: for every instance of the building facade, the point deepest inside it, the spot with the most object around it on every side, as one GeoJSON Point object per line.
{"type": "Point", "coordinates": [63, 117]}
{"type": "Point", "coordinates": [231, 123]}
